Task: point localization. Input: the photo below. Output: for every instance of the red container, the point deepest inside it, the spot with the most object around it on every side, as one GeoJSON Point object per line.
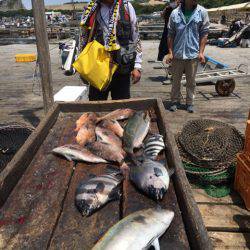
{"type": "Point", "coordinates": [242, 177]}
{"type": "Point", "coordinates": [247, 143]}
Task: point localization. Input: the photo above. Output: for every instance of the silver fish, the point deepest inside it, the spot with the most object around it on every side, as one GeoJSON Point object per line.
{"type": "Point", "coordinates": [153, 146]}
{"type": "Point", "coordinates": [97, 191]}
{"type": "Point", "coordinates": [137, 231]}
{"type": "Point", "coordinates": [77, 153]}
{"type": "Point", "coordinates": [151, 177]}
{"type": "Point", "coordinates": [135, 131]}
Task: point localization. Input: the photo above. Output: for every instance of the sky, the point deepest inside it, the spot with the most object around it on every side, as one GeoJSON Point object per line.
{"type": "Point", "coordinates": [27, 3]}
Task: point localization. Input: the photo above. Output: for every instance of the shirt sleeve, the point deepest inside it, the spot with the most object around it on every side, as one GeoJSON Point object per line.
{"type": "Point", "coordinates": [171, 26]}
{"type": "Point", "coordinates": [204, 30]}
{"type": "Point", "coordinates": [135, 36]}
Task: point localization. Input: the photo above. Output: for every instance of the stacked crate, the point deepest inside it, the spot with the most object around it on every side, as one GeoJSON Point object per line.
{"type": "Point", "coordinates": [242, 178]}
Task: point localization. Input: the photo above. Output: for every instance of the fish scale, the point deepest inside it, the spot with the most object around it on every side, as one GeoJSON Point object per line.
{"type": "Point", "coordinates": [139, 230]}
{"type": "Point", "coordinates": [153, 146]}
{"type": "Point", "coordinates": [97, 191]}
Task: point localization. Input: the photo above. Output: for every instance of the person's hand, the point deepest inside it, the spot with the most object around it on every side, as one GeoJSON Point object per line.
{"type": "Point", "coordinates": [136, 76]}
{"type": "Point", "coordinates": [201, 58]}
{"type": "Point", "coordinates": [169, 58]}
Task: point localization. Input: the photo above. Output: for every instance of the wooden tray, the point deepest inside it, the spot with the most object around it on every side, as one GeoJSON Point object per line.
{"type": "Point", "coordinates": [37, 189]}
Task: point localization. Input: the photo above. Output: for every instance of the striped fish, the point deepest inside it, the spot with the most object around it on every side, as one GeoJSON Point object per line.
{"type": "Point", "coordinates": [153, 146]}
{"type": "Point", "coordinates": [97, 191]}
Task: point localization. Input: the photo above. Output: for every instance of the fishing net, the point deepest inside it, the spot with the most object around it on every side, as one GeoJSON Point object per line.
{"type": "Point", "coordinates": [208, 149]}
{"type": "Point", "coordinates": [12, 137]}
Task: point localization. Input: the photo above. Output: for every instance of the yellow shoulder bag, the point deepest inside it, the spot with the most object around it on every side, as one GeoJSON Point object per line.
{"type": "Point", "coordinates": [95, 65]}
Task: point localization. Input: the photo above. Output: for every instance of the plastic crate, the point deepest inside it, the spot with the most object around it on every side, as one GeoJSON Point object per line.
{"type": "Point", "coordinates": [25, 57]}
{"type": "Point", "coordinates": [242, 178]}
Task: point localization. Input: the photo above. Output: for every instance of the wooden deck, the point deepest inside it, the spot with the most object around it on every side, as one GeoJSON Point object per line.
{"type": "Point", "coordinates": [226, 219]}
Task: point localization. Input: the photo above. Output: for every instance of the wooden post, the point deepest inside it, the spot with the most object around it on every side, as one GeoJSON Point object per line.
{"type": "Point", "coordinates": [42, 43]}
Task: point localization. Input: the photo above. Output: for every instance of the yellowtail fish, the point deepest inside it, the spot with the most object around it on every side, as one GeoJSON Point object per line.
{"type": "Point", "coordinates": [138, 231]}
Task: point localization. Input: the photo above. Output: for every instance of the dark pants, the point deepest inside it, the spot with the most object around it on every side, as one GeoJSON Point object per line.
{"type": "Point", "coordinates": [119, 88]}
{"type": "Point", "coordinates": [163, 47]}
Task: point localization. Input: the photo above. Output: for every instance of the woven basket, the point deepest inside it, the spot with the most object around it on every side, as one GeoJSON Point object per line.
{"type": "Point", "coordinates": [12, 137]}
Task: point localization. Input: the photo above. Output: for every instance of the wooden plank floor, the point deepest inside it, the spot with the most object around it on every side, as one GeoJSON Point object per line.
{"type": "Point", "coordinates": [226, 219]}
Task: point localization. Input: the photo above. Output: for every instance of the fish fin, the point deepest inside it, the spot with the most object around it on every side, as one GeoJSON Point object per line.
{"type": "Point", "coordinates": [171, 172]}
{"type": "Point", "coordinates": [156, 244]}
{"type": "Point", "coordinates": [110, 169]}
{"type": "Point", "coordinates": [68, 157]}
{"type": "Point", "coordinates": [98, 138]}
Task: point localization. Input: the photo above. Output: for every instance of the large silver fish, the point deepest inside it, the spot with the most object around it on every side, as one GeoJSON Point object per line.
{"type": "Point", "coordinates": [151, 177]}
{"type": "Point", "coordinates": [137, 231]}
{"type": "Point", "coordinates": [135, 131]}
{"type": "Point", "coordinates": [77, 153]}
{"type": "Point", "coordinates": [97, 191]}
{"type": "Point", "coordinates": [153, 146]}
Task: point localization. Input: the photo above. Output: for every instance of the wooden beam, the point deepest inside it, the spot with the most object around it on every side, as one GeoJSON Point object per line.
{"type": "Point", "coordinates": [43, 52]}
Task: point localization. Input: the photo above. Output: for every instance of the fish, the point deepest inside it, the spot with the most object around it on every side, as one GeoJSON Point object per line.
{"type": "Point", "coordinates": [117, 115]}
{"type": "Point", "coordinates": [86, 118]}
{"type": "Point", "coordinates": [151, 177]}
{"type": "Point", "coordinates": [153, 146]}
{"type": "Point", "coordinates": [139, 230]}
{"type": "Point", "coordinates": [106, 135]}
{"type": "Point", "coordinates": [112, 125]}
{"type": "Point", "coordinates": [95, 192]}
{"type": "Point", "coordinates": [74, 152]}
{"type": "Point", "coordinates": [135, 131]}
{"type": "Point", "coordinates": [86, 134]}
{"type": "Point", "coordinates": [107, 151]}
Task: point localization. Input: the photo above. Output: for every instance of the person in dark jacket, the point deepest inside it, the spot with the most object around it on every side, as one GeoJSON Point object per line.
{"type": "Point", "coordinates": [115, 26]}
{"type": "Point", "coordinates": [163, 47]}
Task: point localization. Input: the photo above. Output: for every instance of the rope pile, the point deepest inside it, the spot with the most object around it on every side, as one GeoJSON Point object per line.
{"type": "Point", "coordinates": [12, 137]}
{"type": "Point", "coordinates": [208, 149]}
